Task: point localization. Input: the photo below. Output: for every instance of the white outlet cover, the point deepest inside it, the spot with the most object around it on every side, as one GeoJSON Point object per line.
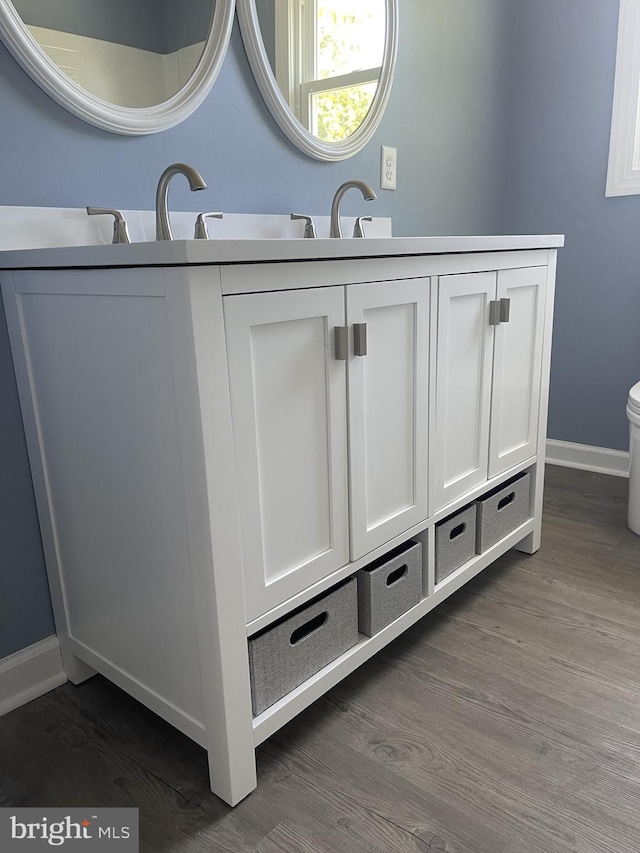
{"type": "Point", "coordinates": [388, 167]}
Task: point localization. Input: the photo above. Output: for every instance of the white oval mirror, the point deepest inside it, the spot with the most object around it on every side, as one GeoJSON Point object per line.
{"type": "Point", "coordinates": [324, 68]}
{"type": "Point", "coordinates": [127, 66]}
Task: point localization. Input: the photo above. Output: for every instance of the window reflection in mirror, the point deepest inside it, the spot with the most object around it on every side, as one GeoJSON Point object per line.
{"type": "Point", "coordinates": [326, 56]}
{"type": "Point", "coordinates": [131, 53]}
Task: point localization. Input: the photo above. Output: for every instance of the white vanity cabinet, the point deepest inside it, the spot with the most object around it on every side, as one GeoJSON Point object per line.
{"type": "Point", "coordinates": [289, 413]}
{"type": "Point", "coordinates": [388, 409]}
{"type": "Point", "coordinates": [292, 355]}
{"type": "Point", "coordinates": [221, 431]}
{"type": "Point", "coordinates": [490, 328]}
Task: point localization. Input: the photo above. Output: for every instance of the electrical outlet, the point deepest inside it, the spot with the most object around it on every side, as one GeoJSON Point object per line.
{"type": "Point", "coordinates": [388, 167]}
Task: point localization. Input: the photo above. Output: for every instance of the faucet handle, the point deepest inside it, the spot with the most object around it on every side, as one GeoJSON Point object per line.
{"type": "Point", "coordinates": [120, 230]}
{"type": "Point", "coordinates": [357, 228]}
{"type": "Point", "coordinates": [309, 224]}
{"type": "Point", "coordinates": [201, 232]}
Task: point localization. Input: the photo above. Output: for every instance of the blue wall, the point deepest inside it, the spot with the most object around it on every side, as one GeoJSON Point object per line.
{"type": "Point", "coordinates": [445, 117]}
{"type": "Point", "coordinates": [562, 56]}
{"type": "Point", "coordinates": [25, 611]}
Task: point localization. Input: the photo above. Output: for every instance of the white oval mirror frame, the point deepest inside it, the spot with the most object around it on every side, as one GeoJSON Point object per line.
{"type": "Point", "coordinates": [124, 120]}
{"type": "Point", "coordinates": [280, 109]}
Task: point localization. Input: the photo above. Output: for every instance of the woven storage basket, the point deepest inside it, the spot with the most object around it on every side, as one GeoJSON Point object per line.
{"type": "Point", "coordinates": [501, 511]}
{"type": "Point", "coordinates": [389, 587]}
{"type": "Point", "coordinates": [455, 541]}
{"type": "Point", "coordinates": [284, 655]}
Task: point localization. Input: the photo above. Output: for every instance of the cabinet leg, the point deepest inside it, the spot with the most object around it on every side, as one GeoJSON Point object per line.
{"type": "Point", "coordinates": [235, 779]}
{"type": "Point", "coordinates": [531, 543]}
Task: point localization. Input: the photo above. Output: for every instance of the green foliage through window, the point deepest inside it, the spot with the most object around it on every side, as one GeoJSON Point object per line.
{"type": "Point", "coordinates": [350, 38]}
{"type": "Point", "coordinates": [340, 112]}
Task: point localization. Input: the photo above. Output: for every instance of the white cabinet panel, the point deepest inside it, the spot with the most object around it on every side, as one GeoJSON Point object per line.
{"type": "Point", "coordinates": [108, 425]}
{"type": "Point", "coordinates": [463, 384]}
{"type": "Point", "coordinates": [288, 400]}
{"type": "Point", "coordinates": [388, 397]}
{"type": "Point", "coordinates": [517, 366]}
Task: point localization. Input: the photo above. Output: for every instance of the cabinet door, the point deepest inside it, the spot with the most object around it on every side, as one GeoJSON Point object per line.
{"type": "Point", "coordinates": [516, 373]}
{"type": "Point", "coordinates": [388, 397]}
{"type": "Point", "coordinates": [463, 385]}
{"type": "Point", "coordinates": [288, 400]}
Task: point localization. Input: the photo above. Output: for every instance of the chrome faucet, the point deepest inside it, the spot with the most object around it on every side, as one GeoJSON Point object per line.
{"type": "Point", "coordinates": [367, 193]}
{"type": "Point", "coordinates": [163, 226]}
{"type": "Point", "coordinates": [358, 230]}
{"type": "Point", "coordinates": [309, 225]}
{"type": "Point", "coordinates": [120, 230]}
{"type": "Point", "coordinates": [200, 231]}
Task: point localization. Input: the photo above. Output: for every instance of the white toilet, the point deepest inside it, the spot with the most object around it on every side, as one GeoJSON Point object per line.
{"type": "Point", "coordinates": [633, 413]}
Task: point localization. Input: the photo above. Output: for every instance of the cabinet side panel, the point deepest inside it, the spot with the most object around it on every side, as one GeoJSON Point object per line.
{"type": "Point", "coordinates": [101, 374]}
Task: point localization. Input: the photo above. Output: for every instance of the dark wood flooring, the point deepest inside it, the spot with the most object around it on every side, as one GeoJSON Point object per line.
{"type": "Point", "coordinates": [507, 720]}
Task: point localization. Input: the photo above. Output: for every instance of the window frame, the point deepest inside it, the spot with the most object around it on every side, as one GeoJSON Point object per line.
{"type": "Point", "coordinates": [296, 61]}
{"type": "Point", "coordinates": [278, 106]}
{"type": "Point", "coordinates": [623, 173]}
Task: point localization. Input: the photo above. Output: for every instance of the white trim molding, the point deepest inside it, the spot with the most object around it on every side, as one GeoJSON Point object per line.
{"type": "Point", "coordinates": [277, 102]}
{"type": "Point", "coordinates": [602, 460]}
{"type": "Point", "coordinates": [623, 175]}
{"type": "Point", "coordinates": [30, 673]}
{"type": "Point", "coordinates": [116, 119]}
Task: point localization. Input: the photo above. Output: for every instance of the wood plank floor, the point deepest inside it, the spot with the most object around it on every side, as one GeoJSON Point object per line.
{"type": "Point", "coordinates": [507, 720]}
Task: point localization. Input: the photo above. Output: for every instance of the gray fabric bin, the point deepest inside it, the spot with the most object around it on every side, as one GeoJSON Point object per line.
{"type": "Point", "coordinates": [389, 587]}
{"type": "Point", "coordinates": [284, 655]}
{"type": "Point", "coordinates": [455, 541]}
{"type": "Point", "coordinates": [501, 511]}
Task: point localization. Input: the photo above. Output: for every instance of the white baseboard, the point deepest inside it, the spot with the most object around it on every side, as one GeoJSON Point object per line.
{"type": "Point", "coordinates": [30, 673]}
{"type": "Point", "coordinates": [587, 458]}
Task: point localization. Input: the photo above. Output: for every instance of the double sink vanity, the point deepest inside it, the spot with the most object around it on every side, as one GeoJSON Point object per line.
{"type": "Point", "coordinates": [221, 431]}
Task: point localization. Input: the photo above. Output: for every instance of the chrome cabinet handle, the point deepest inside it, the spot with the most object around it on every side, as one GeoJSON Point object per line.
{"type": "Point", "coordinates": [494, 312]}
{"type": "Point", "coordinates": [342, 343]}
{"type": "Point", "coordinates": [360, 338]}
{"type": "Point", "coordinates": [505, 310]}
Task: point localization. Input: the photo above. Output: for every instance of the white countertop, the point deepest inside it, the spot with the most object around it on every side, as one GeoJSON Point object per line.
{"type": "Point", "coordinates": [232, 251]}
